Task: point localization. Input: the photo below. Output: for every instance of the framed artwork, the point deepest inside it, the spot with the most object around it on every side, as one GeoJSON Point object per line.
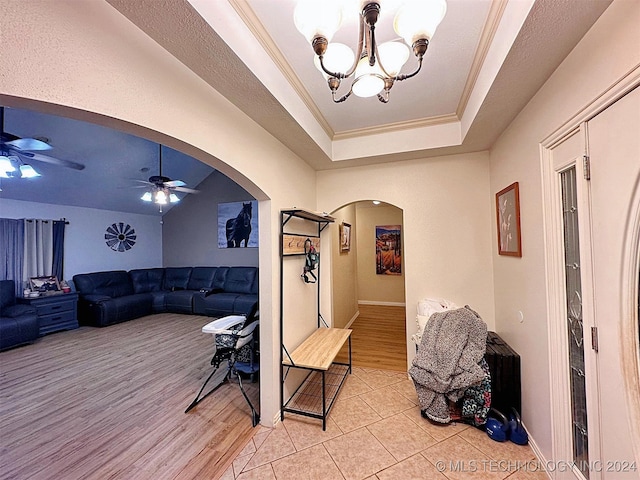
{"type": "Point", "coordinates": [508, 218]}
{"type": "Point", "coordinates": [44, 284]}
{"type": "Point", "coordinates": [389, 250]}
{"type": "Point", "coordinates": [345, 237]}
{"type": "Point", "coordinates": [238, 224]}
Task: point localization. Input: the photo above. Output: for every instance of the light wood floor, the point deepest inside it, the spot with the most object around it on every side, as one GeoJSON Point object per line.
{"type": "Point", "coordinates": [109, 403]}
{"type": "Point", "coordinates": [378, 339]}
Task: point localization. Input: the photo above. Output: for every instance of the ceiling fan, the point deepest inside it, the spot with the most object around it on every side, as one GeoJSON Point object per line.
{"type": "Point", "coordinates": [16, 154]}
{"type": "Point", "coordinates": [160, 189]}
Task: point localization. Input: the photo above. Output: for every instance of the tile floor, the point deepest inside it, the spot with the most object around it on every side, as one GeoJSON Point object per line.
{"type": "Point", "coordinates": [375, 432]}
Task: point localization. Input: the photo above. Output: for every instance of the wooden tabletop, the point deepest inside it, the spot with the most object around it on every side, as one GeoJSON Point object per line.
{"type": "Point", "coordinates": [320, 349]}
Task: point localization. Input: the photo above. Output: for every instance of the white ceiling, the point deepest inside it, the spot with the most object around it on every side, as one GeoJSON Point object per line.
{"type": "Point", "coordinates": [485, 62]}
{"type": "Point", "coordinates": [434, 92]}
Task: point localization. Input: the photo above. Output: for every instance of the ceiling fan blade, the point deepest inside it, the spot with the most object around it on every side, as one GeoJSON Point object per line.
{"type": "Point", "coordinates": [7, 137]}
{"type": "Point", "coordinates": [54, 161]}
{"type": "Point", "coordinates": [175, 183]}
{"type": "Point", "coordinates": [31, 144]}
{"type": "Point", "coordinates": [185, 190]}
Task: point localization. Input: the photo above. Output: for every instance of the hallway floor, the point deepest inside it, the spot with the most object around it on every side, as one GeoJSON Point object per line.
{"type": "Point", "coordinates": [375, 432]}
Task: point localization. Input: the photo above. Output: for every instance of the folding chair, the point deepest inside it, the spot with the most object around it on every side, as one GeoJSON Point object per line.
{"type": "Point", "coordinates": [231, 334]}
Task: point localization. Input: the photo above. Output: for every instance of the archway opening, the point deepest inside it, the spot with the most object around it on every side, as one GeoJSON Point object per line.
{"type": "Point", "coordinates": [368, 283]}
{"type": "Point", "coordinates": [194, 369]}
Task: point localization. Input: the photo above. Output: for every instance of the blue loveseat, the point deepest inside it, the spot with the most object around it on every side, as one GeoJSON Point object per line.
{"type": "Point", "coordinates": [117, 296]}
{"type": "Point", "coordinates": [18, 323]}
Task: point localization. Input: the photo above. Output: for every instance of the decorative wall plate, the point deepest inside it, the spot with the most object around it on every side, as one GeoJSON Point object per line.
{"type": "Point", "coordinates": [120, 237]}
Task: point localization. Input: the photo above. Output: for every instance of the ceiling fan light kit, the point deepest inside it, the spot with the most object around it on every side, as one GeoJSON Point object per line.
{"type": "Point", "coordinates": [160, 188]}
{"type": "Point", "coordinates": [12, 167]}
{"type": "Point", "coordinates": [13, 151]}
{"type": "Point", "coordinates": [375, 68]}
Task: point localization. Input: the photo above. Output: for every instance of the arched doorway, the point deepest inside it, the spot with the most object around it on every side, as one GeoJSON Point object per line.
{"type": "Point", "coordinates": [368, 283]}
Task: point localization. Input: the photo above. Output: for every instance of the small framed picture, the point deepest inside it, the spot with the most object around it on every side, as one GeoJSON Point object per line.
{"type": "Point", "coordinates": [45, 284]}
{"type": "Point", "coordinates": [345, 237]}
{"type": "Point", "coordinates": [508, 217]}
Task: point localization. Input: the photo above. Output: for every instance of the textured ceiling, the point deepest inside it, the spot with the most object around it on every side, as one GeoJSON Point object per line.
{"type": "Point", "coordinates": [485, 62]}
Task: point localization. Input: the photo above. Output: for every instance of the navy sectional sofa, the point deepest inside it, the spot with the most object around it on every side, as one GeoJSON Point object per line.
{"type": "Point", "coordinates": [18, 323]}
{"type": "Point", "coordinates": [107, 298]}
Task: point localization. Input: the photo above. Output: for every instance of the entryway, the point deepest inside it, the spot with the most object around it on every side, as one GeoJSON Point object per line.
{"type": "Point", "coordinates": [367, 282]}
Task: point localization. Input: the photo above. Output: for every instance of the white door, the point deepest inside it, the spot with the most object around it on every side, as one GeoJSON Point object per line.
{"type": "Point", "coordinates": [575, 399]}
{"type": "Point", "coordinates": [614, 151]}
{"type": "Point", "coordinates": [593, 238]}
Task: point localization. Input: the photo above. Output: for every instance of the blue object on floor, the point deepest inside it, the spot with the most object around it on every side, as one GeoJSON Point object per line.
{"type": "Point", "coordinates": [517, 433]}
{"type": "Point", "coordinates": [497, 426]}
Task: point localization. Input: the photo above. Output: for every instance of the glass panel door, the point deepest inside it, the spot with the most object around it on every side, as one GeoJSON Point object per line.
{"type": "Point", "coordinates": [574, 320]}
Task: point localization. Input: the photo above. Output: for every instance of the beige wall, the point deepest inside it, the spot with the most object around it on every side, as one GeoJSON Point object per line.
{"type": "Point", "coordinates": [344, 271]}
{"type": "Point", "coordinates": [373, 288]}
{"type": "Point", "coordinates": [608, 51]}
{"type": "Point", "coordinates": [87, 61]}
{"type": "Point", "coordinates": [85, 57]}
{"type": "Point", "coordinates": [447, 225]}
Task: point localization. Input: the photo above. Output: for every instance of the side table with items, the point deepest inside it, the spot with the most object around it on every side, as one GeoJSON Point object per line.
{"type": "Point", "coordinates": [55, 312]}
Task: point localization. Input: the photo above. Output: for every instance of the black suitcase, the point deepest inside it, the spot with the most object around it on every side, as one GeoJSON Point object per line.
{"type": "Point", "coordinates": [504, 365]}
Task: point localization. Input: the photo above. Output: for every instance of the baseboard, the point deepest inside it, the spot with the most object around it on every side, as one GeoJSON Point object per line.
{"type": "Point", "coordinates": [353, 319]}
{"type": "Point", "coordinates": [541, 460]}
{"type": "Point", "coordinates": [277, 418]}
{"type": "Point", "coordinates": [386, 304]}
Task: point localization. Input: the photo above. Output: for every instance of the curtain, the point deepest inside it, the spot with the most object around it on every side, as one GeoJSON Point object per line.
{"type": "Point", "coordinates": [58, 249]}
{"type": "Point", "coordinates": [12, 243]}
{"type": "Point", "coordinates": [38, 248]}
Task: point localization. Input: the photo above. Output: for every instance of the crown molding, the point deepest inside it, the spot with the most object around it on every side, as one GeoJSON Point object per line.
{"type": "Point", "coordinates": [254, 24]}
{"type": "Point", "coordinates": [486, 39]}
{"type": "Point", "coordinates": [398, 126]}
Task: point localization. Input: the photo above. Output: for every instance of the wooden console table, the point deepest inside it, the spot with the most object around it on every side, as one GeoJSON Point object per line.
{"type": "Point", "coordinates": [317, 393]}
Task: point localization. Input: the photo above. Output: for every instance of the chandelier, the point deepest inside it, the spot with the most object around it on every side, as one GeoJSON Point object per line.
{"type": "Point", "coordinates": [375, 68]}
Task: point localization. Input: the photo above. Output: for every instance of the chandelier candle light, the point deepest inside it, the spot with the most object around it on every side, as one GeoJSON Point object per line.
{"type": "Point", "coordinates": [374, 67]}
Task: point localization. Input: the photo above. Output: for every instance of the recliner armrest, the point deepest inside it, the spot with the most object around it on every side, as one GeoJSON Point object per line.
{"type": "Point", "coordinates": [212, 291]}
{"type": "Point", "coordinates": [96, 298]}
{"type": "Point", "coordinates": [14, 311]}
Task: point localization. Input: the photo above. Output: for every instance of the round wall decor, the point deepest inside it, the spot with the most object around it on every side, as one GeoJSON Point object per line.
{"type": "Point", "coordinates": [120, 237]}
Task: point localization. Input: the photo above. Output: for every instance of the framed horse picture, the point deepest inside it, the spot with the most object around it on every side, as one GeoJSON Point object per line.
{"type": "Point", "coordinates": [238, 224]}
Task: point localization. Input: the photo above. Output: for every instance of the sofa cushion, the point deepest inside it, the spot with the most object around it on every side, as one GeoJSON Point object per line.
{"type": "Point", "coordinates": [180, 301]}
{"type": "Point", "coordinates": [157, 302]}
{"type": "Point", "coordinates": [18, 331]}
{"type": "Point", "coordinates": [245, 304]}
{"type": "Point", "coordinates": [113, 284]}
{"type": "Point", "coordinates": [176, 278]}
{"type": "Point", "coordinates": [7, 293]}
{"type": "Point", "coordinates": [96, 298]}
{"type": "Point", "coordinates": [201, 278]}
{"type": "Point", "coordinates": [14, 311]}
{"type": "Point", "coordinates": [215, 305]}
{"type": "Point", "coordinates": [116, 310]}
{"type": "Point", "coordinates": [147, 279]}
{"type": "Point", "coordinates": [241, 280]}
{"type": "Point", "coordinates": [219, 278]}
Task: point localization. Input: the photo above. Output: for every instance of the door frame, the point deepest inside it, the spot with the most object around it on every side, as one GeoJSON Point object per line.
{"type": "Point", "coordinates": [555, 289]}
{"type": "Point", "coordinates": [630, 348]}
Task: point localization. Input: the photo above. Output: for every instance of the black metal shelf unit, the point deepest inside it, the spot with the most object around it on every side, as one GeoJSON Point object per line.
{"type": "Point", "coordinates": [309, 384]}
